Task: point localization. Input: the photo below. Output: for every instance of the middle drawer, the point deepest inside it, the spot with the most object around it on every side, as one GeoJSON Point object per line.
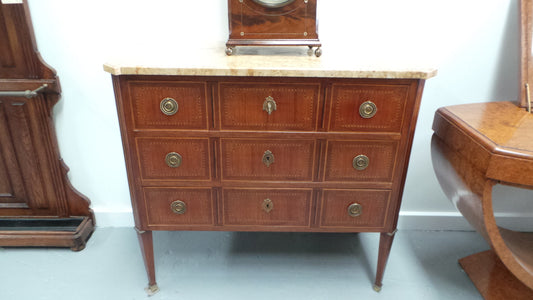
{"type": "Point", "coordinates": [270, 160]}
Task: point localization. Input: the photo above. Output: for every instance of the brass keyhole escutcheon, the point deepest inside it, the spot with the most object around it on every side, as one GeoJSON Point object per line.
{"type": "Point", "coordinates": [173, 159]}
{"type": "Point", "coordinates": [267, 205]}
{"type": "Point", "coordinates": [268, 158]}
{"type": "Point", "coordinates": [355, 210]}
{"type": "Point", "coordinates": [178, 207]}
{"type": "Point", "coordinates": [169, 106]}
{"type": "Point", "coordinates": [360, 162]}
{"type": "Point", "coordinates": [269, 105]}
{"type": "Point", "coordinates": [368, 109]}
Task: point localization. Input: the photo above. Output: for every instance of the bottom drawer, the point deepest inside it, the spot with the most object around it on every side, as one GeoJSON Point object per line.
{"type": "Point", "coordinates": [179, 206]}
{"type": "Point", "coordinates": [267, 207]}
{"type": "Point", "coordinates": [354, 208]}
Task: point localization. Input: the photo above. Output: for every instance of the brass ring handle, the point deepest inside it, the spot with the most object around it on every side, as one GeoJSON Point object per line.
{"type": "Point", "coordinates": [178, 207]}
{"type": "Point", "coordinates": [169, 106]}
{"type": "Point", "coordinates": [355, 210]}
{"type": "Point", "coordinates": [268, 158]}
{"type": "Point", "coordinates": [173, 159]}
{"type": "Point", "coordinates": [267, 205]}
{"type": "Point", "coordinates": [368, 109]}
{"type": "Point", "coordinates": [360, 162]}
{"type": "Point", "coordinates": [269, 105]}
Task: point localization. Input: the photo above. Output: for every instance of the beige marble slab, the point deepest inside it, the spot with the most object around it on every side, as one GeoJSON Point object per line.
{"type": "Point", "coordinates": [268, 61]}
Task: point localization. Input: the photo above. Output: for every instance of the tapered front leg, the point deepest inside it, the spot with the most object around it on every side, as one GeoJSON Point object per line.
{"type": "Point", "coordinates": [147, 250]}
{"type": "Point", "coordinates": [385, 244]}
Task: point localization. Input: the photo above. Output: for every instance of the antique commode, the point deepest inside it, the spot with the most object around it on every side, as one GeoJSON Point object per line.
{"type": "Point", "coordinates": [266, 143]}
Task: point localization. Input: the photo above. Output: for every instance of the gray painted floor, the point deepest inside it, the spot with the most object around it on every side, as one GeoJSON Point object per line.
{"type": "Point", "coordinates": [224, 265]}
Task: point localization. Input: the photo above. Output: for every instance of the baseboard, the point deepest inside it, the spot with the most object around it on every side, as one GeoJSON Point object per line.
{"type": "Point", "coordinates": [433, 221]}
{"type": "Point", "coordinates": [409, 220]}
{"type": "Point", "coordinates": [116, 218]}
{"type": "Point", "coordinates": [454, 221]}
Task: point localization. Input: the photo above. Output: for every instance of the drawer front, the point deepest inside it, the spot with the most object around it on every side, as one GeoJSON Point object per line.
{"type": "Point", "coordinates": [174, 159]}
{"type": "Point", "coordinates": [169, 105]}
{"type": "Point", "coordinates": [272, 207]}
{"type": "Point", "coordinates": [272, 160]}
{"type": "Point", "coordinates": [270, 106]}
{"type": "Point", "coordinates": [179, 206]}
{"type": "Point", "coordinates": [363, 107]}
{"type": "Point", "coordinates": [360, 160]}
{"type": "Point", "coordinates": [354, 208]}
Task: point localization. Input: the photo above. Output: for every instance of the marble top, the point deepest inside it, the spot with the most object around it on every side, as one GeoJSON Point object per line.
{"type": "Point", "coordinates": [268, 61]}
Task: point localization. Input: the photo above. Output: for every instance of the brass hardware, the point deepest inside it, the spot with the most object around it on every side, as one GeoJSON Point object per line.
{"type": "Point", "coordinates": [168, 106]}
{"type": "Point", "coordinates": [392, 233]}
{"type": "Point", "coordinates": [268, 158]}
{"type": "Point", "coordinates": [360, 162]}
{"type": "Point", "coordinates": [178, 207]}
{"type": "Point", "coordinates": [318, 52]}
{"type": "Point", "coordinates": [267, 205]}
{"type": "Point", "coordinates": [305, 33]}
{"type": "Point", "coordinates": [173, 159]}
{"type": "Point", "coordinates": [355, 210]}
{"type": "Point", "coordinates": [368, 109]}
{"type": "Point", "coordinates": [528, 98]}
{"type": "Point", "coordinates": [151, 290]}
{"type": "Point", "coordinates": [269, 105]}
{"type": "Point", "coordinates": [377, 288]}
{"type": "Point", "coordinates": [27, 93]}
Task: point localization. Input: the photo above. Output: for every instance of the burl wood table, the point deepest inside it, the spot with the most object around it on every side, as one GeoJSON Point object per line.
{"type": "Point", "coordinates": [475, 147]}
{"type": "Point", "coordinates": [266, 143]}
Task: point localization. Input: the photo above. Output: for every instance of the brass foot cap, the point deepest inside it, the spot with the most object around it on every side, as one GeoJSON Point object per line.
{"type": "Point", "coordinates": [152, 290]}
{"type": "Point", "coordinates": [377, 288]}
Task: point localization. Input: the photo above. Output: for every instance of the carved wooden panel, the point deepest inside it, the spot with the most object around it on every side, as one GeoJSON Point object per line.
{"type": "Point", "coordinates": [12, 193]}
{"type": "Point", "coordinates": [35, 194]}
{"type": "Point", "coordinates": [346, 101]}
{"type": "Point", "coordinates": [374, 207]}
{"type": "Point", "coordinates": [12, 63]}
{"type": "Point", "coordinates": [24, 151]}
{"type": "Point", "coordinates": [18, 57]}
{"type": "Point", "coordinates": [243, 159]}
{"type": "Point", "coordinates": [340, 158]}
{"type": "Point", "coordinates": [191, 99]}
{"type": "Point", "coordinates": [248, 207]}
{"type": "Point", "coordinates": [7, 58]}
{"type": "Point", "coordinates": [242, 106]}
{"type": "Point", "coordinates": [194, 163]}
{"type": "Point", "coordinates": [6, 189]}
{"type": "Point", "coordinates": [199, 208]}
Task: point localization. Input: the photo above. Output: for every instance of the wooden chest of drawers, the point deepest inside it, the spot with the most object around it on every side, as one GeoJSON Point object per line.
{"type": "Point", "coordinates": [249, 153]}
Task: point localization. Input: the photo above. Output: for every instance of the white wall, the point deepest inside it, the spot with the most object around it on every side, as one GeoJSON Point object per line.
{"type": "Point", "coordinates": [474, 44]}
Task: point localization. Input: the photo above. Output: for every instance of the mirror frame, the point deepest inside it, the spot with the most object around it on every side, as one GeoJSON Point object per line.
{"type": "Point", "coordinates": [268, 4]}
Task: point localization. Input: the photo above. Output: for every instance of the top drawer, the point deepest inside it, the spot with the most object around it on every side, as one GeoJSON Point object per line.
{"type": "Point", "coordinates": [168, 105]}
{"type": "Point", "coordinates": [269, 106]}
{"type": "Point", "coordinates": [368, 107]}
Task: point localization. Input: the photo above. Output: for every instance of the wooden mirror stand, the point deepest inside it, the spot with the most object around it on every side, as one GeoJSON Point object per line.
{"type": "Point", "coordinates": [273, 23]}
{"type": "Point", "coordinates": [474, 148]}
